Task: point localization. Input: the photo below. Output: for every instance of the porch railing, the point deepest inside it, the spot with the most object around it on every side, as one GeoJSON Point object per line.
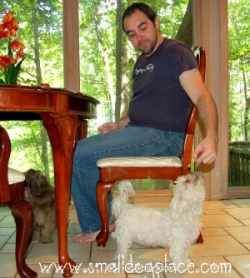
{"type": "Point", "coordinates": [239, 164]}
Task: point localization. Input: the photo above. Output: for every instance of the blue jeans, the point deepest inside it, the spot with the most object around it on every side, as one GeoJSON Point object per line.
{"type": "Point", "coordinates": [128, 141]}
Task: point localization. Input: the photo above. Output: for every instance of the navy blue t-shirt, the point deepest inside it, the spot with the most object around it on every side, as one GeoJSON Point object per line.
{"type": "Point", "coordinates": [159, 101]}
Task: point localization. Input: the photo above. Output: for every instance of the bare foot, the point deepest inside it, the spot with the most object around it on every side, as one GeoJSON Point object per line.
{"type": "Point", "coordinates": [84, 238]}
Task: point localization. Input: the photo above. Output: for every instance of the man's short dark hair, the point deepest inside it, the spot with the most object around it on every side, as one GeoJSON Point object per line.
{"type": "Point", "coordinates": [144, 8]}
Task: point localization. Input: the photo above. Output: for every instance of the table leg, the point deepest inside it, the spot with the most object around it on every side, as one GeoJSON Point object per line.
{"type": "Point", "coordinates": [62, 133]}
{"type": "Point", "coordinates": [82, 129]}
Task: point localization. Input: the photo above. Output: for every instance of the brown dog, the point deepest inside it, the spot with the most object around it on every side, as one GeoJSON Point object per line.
{"type": "Point", "coordinates": [41, 196]}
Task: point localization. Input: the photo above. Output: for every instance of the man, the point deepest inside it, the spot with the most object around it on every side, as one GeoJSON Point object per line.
{"type": "Point", "coordinates": [166, 83]}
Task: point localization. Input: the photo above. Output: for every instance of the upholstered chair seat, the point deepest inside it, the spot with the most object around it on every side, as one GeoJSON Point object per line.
{"type": "Point", "coordinates": [15, 176]}
{"type": "Point", "coordinates": [12, 189]}
{"type": "Point", "coordinates": [137, 161]}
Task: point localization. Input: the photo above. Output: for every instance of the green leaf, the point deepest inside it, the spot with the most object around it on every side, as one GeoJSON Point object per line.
{"type": "Point", "coordinates": [16, 71]}
{"type": "Point", "coordinates": [10, 75]}
{"type": "Point", "coordinates": [9, 48]}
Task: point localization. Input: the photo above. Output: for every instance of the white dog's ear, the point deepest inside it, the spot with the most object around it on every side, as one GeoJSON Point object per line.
{"type": "Point", "coordinates": [176, 196]}
{"type": "Point", "coordinates": [176, 206]}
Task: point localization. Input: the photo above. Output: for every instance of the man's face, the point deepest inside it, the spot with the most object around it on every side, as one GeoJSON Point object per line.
{"type": "Point", "coordinates": [141, 32]}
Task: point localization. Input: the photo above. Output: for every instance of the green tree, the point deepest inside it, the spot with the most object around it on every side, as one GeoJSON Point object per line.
{"type": "Point", "coordinates": [40, 30]}
{"type": "Point", "coordinates": [239, 69]}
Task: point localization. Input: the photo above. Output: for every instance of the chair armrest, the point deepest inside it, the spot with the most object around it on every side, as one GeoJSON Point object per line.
{"type": "Point", "coordinates": [5, 149]}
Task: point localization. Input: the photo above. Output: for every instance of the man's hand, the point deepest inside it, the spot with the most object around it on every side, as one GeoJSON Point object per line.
{"type": "Point", "coordinates": [206, 151]}
{"type": "Point", "coordinates": [107, 127]}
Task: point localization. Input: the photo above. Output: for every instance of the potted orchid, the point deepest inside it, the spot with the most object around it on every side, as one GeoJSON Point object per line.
{"type": "Point", "coordinates": [11, 50]}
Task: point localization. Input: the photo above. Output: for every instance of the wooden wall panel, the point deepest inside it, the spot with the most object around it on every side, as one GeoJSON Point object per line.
{"type": "Point", "coordinates": [211, 31]}
{"type": "Point", "coordinates": [71, 45]}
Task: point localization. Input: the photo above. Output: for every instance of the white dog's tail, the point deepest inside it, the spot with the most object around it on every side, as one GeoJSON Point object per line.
{"type": "Point", "coordinates": [125, 190]}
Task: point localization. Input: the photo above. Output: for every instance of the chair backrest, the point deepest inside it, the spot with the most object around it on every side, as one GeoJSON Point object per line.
{"type": "Point", "coordinates": [5, 149]}
{"type": "Point", "coordinates": [188, 142]}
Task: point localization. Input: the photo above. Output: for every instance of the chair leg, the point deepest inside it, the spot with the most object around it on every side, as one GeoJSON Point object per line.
{"type": "Point", "coordinates": [22, 212]}
{"type": "Point", "coordinates": [102, 202]}
{"type": "Point", "coordinates": [200, 239]}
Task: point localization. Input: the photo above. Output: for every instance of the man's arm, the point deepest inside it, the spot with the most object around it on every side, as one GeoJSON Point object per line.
{"type": "Point", "coordinates": [123, 121]}
{"type": "Point", "coordinates": [192, 83]}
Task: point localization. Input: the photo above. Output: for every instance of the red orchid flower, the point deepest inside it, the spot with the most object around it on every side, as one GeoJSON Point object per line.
{"type": "Point", "coordinates": [16, 45]}
{"type": "Point", "coordinates": [11, 63]}
{"type": "Point", "coordinates": [5, 61]}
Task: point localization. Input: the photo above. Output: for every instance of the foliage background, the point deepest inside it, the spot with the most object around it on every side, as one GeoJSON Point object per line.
{"type": "Point", "coordinates": [239, 70]}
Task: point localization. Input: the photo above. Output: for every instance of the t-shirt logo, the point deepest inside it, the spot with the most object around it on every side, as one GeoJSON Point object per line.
{"type": "Point", "coordinates": [148, 68]}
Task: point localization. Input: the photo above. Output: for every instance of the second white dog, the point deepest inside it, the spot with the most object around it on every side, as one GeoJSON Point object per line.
{"type": "Point", "coordinates": [176, 228]}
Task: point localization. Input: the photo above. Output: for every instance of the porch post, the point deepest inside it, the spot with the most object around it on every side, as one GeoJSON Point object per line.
{"type": "Point", "coordinates": [71, 45]}
{"type": "Point", "coordinates": [211, 32]}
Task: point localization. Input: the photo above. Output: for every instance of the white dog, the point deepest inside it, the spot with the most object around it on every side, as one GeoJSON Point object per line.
{"type": "Point", "coordinates": [176, 228]}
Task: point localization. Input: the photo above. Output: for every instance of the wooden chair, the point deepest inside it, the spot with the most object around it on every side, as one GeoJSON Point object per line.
{"type": "Point", "coordinates": [12, 195]}
{"type": "Point", "coordinates": [122, 168]}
